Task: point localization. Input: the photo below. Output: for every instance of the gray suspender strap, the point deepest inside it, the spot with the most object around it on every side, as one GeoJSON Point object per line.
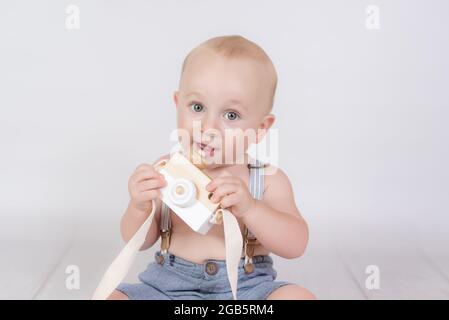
{"type": "Point", "coordinates": [165, 227]}
{"type": "Point", "coordinates": [165, 217]}
{"type": "Point", "coordinates": [256, 182]}
{"type": "Point", "coordinates": [256, 188]}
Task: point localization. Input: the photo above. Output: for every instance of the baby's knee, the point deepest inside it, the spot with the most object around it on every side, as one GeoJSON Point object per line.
{"type": "Point", "coordinates": [291, 292]}
{"type": "Point", "coordinates": [117, 295]}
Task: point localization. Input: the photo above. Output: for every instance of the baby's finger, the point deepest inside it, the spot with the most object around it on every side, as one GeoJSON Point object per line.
{"type": "Point", "coordinates": [222, 191]}
{"type": "Point", "coordinates": [147, 195]}
{"type": "Point", "coordinates": [144, 166]}
{"type": "Point", "coordinates": [211, 186]}
{"type": "Point", "coordinates": [151, 184]}
{"type": "Point", "coordinates": [145, 174]}
{"type": "Point", "coordinates": [229, 200]}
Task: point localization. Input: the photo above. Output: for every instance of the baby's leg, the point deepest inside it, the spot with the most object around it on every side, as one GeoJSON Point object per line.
{"type": "Point", "coordinates": [291, 292]}
{"type": "Point", "coordinates": [117, 295]}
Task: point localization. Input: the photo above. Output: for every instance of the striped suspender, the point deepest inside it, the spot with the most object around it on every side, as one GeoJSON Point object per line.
{"type": "Point", "coordinates": [256, 182]}
{"type": "Point", "coordinates": [256, 188]}
{"type": "Point", "coordinates": [165, 227]}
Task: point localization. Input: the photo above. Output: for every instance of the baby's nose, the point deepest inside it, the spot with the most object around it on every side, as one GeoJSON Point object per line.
{"type": "Point", "coordinates": [209, 126]}
{"type": "Point", "coordinates": [209, 135]}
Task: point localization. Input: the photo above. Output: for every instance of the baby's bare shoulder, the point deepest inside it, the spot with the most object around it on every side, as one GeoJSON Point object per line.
{"type": "Point", "coordinates": [278, 190]}
{"type": "Point", "coordinates": [275, 178]}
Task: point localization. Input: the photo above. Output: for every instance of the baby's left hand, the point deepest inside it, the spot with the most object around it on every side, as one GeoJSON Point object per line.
{"type": "Point", "coordinates": [232, 193]}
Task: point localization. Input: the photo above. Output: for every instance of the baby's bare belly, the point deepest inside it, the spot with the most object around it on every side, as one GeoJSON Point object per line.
{"type": "Point", "coordinates": [198, 248]}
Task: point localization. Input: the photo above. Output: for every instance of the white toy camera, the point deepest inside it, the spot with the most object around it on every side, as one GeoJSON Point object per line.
{"type": "Point", "coordinates": [185, 193]}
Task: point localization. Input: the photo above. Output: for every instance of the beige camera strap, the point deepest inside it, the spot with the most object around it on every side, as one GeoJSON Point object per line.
{"type": "Point", "coordinates": [122, 263]}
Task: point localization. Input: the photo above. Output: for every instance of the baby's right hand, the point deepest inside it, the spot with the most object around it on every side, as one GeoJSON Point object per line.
{"type": "Point", "coordinates": [144, 185]}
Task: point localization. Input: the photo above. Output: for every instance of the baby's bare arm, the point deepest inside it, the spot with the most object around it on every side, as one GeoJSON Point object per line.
{"type": "Point", "coordinates": [133, 218]}
{"type": "Point", "coordinates": [276, 221]}
{"type": "Point", "coordinates": [144, 185]}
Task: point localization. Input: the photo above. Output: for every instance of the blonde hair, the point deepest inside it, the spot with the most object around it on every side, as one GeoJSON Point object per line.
{"type": "Point", "coordinates": [235, 46]}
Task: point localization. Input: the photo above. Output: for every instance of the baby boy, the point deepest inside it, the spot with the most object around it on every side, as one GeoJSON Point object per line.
{"type": "Point", "coordinates": [227, 85]}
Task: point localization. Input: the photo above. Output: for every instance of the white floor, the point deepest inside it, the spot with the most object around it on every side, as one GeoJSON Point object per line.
{"type": "Point", "coordinates": [411, 266]}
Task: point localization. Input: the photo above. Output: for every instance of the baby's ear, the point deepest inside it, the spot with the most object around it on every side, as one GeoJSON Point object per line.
{"type": "Point", "coordinates": [176, 97]}
{"type": "Point", "coordinates": [266, 124]}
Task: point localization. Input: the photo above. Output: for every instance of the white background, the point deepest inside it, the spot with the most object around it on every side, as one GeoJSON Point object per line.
{"type": "Point", "coordinates": [362, 116]}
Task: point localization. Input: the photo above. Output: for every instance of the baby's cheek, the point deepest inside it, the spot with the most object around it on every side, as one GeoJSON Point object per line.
{"type": "Point", "coordinates": [183, 118]}
{"type": "Point", "coordinates": [236, 145]}
{"type": "Point", "coordinates": [184, 133]}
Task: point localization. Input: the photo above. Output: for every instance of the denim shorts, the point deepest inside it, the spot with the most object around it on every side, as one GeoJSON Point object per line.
{"type": "Point", "coordinates": [177, 279]}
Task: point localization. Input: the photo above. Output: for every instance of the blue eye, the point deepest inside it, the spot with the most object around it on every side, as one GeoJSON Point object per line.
{"type": "Point", "coordinates": [196, 107]}
{"type": "Point", "coordinates": [231, 115]}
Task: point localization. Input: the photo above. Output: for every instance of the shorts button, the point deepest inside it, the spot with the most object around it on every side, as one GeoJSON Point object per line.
{"type": "Point", "coordinates": [249, 268]}
{"type": "Point", "coordinates": [211, 268]}
{"type": "Point", "coordinates": [160, 259]}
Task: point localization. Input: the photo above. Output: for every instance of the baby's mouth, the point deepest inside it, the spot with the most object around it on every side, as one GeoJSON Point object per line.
{"type": "Point", "coordinates": [204, 150]}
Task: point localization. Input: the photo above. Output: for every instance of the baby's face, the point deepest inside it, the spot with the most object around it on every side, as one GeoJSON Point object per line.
{"type": "Point", "coordinates": [223, 105]}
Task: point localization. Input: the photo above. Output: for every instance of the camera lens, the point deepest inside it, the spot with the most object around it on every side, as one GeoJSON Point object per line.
{"type": "Point", "coordinates": [183, 192]}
